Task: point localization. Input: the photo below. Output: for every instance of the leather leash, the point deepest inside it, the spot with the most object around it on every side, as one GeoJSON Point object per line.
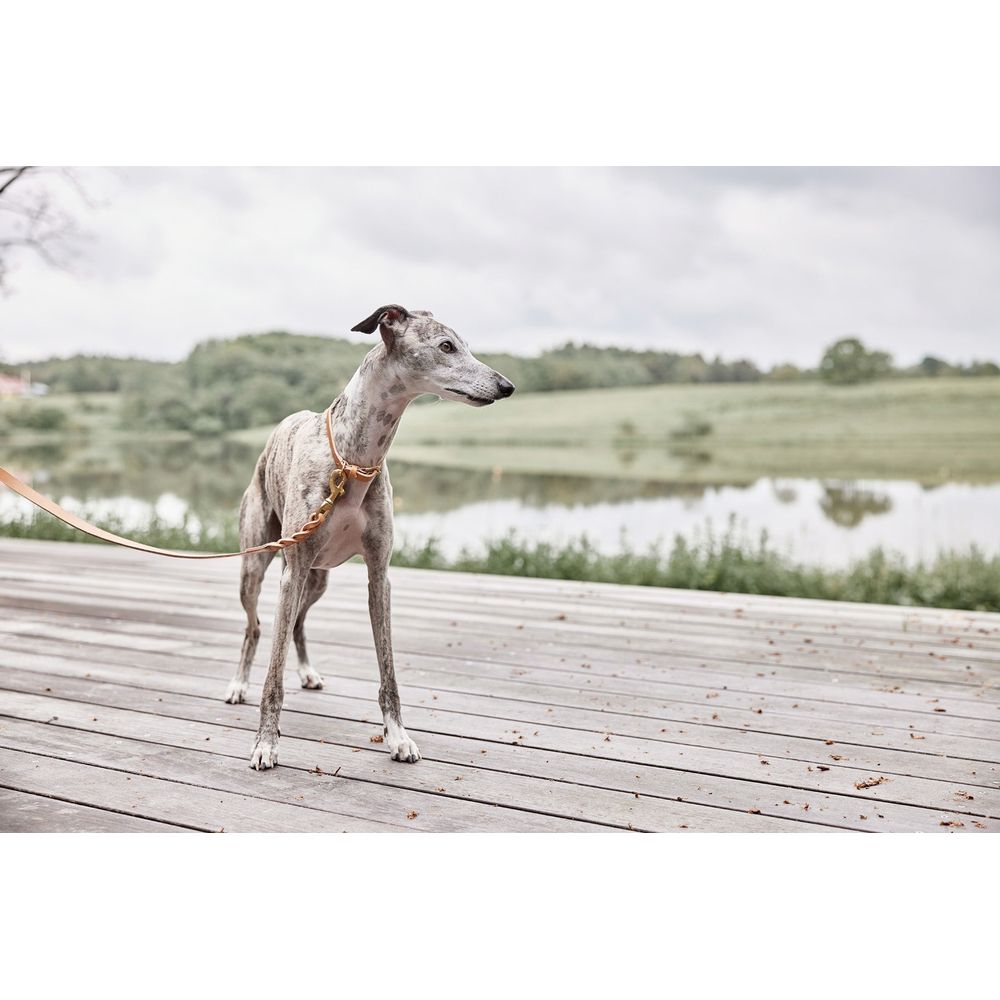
{"type": "Point", "coordinates": [338, 483]}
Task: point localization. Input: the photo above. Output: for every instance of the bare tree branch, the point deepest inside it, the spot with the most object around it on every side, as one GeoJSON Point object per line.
{"type": "Point", "coordinates": [32, 220]}
{"type": "Point", "coordinates": [16, 173]}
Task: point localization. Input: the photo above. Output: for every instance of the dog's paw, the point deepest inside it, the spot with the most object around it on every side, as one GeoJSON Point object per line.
{"type": "Point", "coordinates": [403, 748]}
{"type": "Point", "coordinates": [236, 693]}
{"type": "Point", "coordinates": [310, 679]}
{"type": "Point", "coordinates": [265, 755]}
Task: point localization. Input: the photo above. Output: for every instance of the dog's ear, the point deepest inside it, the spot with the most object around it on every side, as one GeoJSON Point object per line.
{"type": "Point", "coordinates": [386, 317]}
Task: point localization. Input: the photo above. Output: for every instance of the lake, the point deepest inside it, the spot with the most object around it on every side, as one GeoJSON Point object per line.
{"type": "Point", "coordinates": [823, 521]}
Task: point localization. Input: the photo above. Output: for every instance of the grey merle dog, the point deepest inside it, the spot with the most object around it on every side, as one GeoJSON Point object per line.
{"type": "Point", "coordinates": [417, 355]}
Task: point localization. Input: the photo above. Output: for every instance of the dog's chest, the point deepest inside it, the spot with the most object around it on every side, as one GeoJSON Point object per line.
{"type": "Point", "coordinates": [341, 536]}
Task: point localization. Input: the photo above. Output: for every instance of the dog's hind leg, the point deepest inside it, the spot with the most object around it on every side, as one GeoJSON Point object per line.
{"type": "Point", "coordinates": [314, 590]}
{"type": "Point", "coordinates": [256, 528]}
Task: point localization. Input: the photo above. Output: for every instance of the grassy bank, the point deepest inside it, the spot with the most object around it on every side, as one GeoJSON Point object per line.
{"type": "Point", "coordinates": [968, 580]}
{"type": "Point", "coordinates": [191, 536]}
{"type": "Point", "coordinates": [929, 430]}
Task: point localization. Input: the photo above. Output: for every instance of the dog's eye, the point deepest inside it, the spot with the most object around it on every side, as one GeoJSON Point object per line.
{"type": "Point", "coordinates": [447, 346]}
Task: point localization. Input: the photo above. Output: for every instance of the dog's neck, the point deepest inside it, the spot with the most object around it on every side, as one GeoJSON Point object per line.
{"type": "Point", "coordinates": [366, 415]}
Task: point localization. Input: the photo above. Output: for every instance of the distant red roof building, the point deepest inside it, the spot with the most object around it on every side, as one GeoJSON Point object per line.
{"type": "Point", "coordinates": [16, 385]}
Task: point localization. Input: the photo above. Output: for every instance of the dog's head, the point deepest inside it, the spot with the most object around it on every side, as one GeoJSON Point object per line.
{"type": "Point", "coordinates": [430, 357]}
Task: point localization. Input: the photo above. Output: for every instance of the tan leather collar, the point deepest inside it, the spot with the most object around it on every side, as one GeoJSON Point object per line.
{"type": "Point", "coordinates": [365, 473]}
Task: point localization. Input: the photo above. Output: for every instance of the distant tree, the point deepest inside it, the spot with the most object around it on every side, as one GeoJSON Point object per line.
{"type": "Point", "coordinates": [692, 368]}
{"type": "Point", "coordinates": [38, 417]}
{"type": "Point", "coordinates": [980, 368]}
{"type": "Point", "coordinates": [785, 373]}
{"type": "Point", "coordinates": [848, 362]}
{"type": "Point", "coordinates": [933, 367]}
{"type": "Point", "coordinates": [31, 218]}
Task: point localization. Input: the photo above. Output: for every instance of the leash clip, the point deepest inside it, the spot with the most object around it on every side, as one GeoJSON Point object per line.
{"type": "Point", "coordinates": [338, 483]}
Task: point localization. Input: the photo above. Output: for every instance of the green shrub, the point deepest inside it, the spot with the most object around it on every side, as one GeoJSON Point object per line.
{"type": "Point", "coordinates": [692, 426]}
{"type": "Point", "coordinates": [728, 562]}
{"type": "Point", "coordinates": [35, 417]}
{"type": "Point", "coordinates": [968, 580]}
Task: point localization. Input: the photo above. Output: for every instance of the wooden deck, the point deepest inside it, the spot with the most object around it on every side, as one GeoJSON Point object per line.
{"type": "Point", "coordinates": [538, 705]}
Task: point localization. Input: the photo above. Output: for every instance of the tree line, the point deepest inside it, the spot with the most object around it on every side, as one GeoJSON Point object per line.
{"type": "Point", "coordinates": [257, 379]}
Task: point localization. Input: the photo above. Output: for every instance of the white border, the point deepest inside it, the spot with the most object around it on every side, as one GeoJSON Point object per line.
{"type": "Point", "coordinates": [522, 82]}
{"type": "Point", "coordinates": [498, 915]}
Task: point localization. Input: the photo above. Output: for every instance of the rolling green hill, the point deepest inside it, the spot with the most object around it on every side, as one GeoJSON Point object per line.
{"type": "Point", "coordinates": [931, 430]}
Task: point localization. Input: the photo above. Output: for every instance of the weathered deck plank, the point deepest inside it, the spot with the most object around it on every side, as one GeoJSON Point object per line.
{"type": "Point", "coordinates": [539, 705]}
{"type": "Point", "coordinates": [24, 813]}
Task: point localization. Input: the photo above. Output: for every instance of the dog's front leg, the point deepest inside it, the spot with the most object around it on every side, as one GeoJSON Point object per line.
{"type": "Point", "coordinates": [378, 548]}
{"type": "Point", "coordinates": [265, 751]}
{"type": "Point", "coordinates": [401, 747]}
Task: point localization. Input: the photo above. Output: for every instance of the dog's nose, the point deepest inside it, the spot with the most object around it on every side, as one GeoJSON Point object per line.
{"type": "Point", "coordinates": [505, 388]}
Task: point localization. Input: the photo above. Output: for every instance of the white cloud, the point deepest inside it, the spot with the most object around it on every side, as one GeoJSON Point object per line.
{"type": "Point", "coordinates": [770, 264]}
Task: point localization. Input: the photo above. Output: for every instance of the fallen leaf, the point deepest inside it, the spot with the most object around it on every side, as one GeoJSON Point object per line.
{"type": "Point", "coordinates": [951, 822]}
{"type": "Point", "coordinates": [376, 739]}
{"type": "Point", "coordinates": [916, 736]}
{"type": "Point", "coordinates": [413, 814]}
{"type": "Point", "coordinates": [870, 782]}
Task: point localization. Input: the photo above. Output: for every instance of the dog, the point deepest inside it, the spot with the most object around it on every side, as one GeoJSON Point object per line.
{"type": "Point", "coordinates": [295, 474]}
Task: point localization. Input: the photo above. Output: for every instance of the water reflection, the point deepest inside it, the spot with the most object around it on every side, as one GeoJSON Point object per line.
{"type": "Point", "coordinates": [848, 504]}
{"type": "Point", "coordinates": [815, 520]}
{"type": "Point", "coordinates": [210, 477]}
{"type": "Point", "coordinates": [784, 493]}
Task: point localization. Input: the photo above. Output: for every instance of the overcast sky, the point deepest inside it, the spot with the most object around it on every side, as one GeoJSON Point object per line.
{"type": "Point", "coordinates": [766, 263]}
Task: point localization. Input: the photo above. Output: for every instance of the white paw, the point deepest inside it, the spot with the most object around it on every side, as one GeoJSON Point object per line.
{"type": "Point", "coordinates": [265, 755]}
{"type": "Point", "coordinates": [236, 693]}
{"type": "Point", "coordinates": [310, 679]}
{"type": "Point", "coordinates": [402, 747]}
